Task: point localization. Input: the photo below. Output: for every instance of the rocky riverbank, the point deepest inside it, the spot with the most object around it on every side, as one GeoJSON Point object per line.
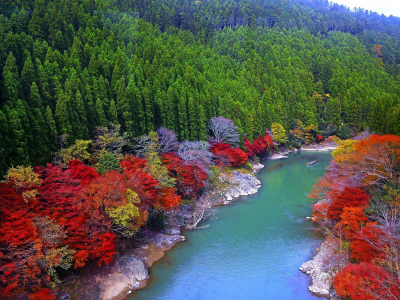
{"type": "Point", "coordinates": [323, 268]}
{"type": "Point", "coordinates": [328, 260]}
{"type": "Point", "coordinates": [129, 272]}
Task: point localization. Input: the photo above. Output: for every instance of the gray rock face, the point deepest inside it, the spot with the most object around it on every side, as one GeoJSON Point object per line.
{"type": "Point", "coordinates": [241, 185]}
{"type": "Point", "coordinates": [323, 267]}
{"type": "Point", "coordinates": [166, 240]}
{"type": "Point", "coordinates": [133, 267]}
{"type": "Point", "coordinates": [128, 270]}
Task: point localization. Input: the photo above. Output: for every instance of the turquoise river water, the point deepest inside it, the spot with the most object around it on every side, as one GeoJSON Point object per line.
{"type": "Point", "coordinates": [255, 247]}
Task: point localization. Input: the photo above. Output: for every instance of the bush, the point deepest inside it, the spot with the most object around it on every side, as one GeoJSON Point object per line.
{"type": "Point", "coordinates": [345, 133]}
{"type": "Point", "coordinates": [156, 220]}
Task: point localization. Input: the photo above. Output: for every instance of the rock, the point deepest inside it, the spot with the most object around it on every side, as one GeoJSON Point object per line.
{"type": "Point", "coordinates": [166, 240]}
{"type": "Point", "coordinates": [257, 167]}
{"type": "Point", "coordinates": [133, 267]}
{"type": "Point", "coordinates": [115, 287]}
{"type": "Point", "coordinates": [127, 272]}
{"type": "Point", "coordinates": [240, 185]}
{"type": "Point", "coordinates": [276, 156]}
{"type": "Point", "coordinates": [323, 267]}
{"type": "Point", "coordinates": [228, 197]}
{"type": "Point", "coordinates": [175, 230]}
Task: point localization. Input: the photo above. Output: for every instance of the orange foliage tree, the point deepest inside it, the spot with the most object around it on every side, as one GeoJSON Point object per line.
{"type": "Point", "coordinates": [366, 282]}
{"type": "Point", "coordinates": [349, 197]}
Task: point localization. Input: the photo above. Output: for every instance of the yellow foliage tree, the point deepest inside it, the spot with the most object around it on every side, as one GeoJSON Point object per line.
{"type": "Point", "coordinates": [345, 148]}
{"type": "Point", "coordinates": [125, 216]}
{"type": "Point", "coordinates": [79, 151]}
{"type": "Point", "coordinates": [279, 133]}
{"type": "Point", "coordinates": [24, 180]}
{"type": "Point", "coordinates": [154, 164]}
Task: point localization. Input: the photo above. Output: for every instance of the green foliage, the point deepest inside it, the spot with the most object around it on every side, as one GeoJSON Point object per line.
{"type": "Point", "coordinates": [108, 162]}
{"type": "Point", "coordinates": [345, 133]}
{"type": "Point", "coordinates": [179, 63]}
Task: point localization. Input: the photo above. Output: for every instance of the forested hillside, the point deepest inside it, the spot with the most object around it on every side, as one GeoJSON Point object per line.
{"type": "Point", "coordinates": [71, 65]}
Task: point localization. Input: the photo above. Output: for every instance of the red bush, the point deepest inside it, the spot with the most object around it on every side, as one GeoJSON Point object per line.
{"type": "Point", "coordinates": [366, 282]}
{"type": "Point", "coordinates": [227, 156]}
{"type": "Point", "coordinates": [189, 179]}
{"type": "Point", "coordinates": [259, 145]}
{"type": "Point", "coordinates": [349, 197]}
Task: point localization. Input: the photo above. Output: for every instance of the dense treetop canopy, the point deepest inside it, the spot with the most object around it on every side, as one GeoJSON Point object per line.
{"type": "Point", "coordinates": [68, 66]}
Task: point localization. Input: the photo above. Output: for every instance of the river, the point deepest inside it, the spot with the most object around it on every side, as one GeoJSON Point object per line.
{"type": "Point", "coordinates": [255, 247]}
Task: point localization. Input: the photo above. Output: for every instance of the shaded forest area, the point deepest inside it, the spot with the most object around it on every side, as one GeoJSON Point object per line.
{"type": "Point", "coordinates": [71, 65]}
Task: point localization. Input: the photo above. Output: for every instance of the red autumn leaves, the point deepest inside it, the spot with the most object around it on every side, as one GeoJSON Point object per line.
{"type": "Point", "coordinates": [259, 145]}
{"type": "Point", "coordinates": [372, 243]}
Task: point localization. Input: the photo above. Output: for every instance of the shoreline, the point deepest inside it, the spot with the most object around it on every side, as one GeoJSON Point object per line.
{"type": "Point", "coordinates": [319, 268]}
{"type": "Point", "coordinates": [130, 271]}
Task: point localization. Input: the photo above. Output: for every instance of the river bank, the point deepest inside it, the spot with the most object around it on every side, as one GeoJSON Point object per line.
{"type": "Point", "coordinates": [130, 271]}
{"type": "Point", "coordinates": [327, 261]}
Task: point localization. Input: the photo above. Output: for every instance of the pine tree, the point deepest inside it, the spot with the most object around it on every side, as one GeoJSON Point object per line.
{"type": "Point", "coordinates": [123, 108]}
{"type": "Point", "coordinates": [11, 82]}
{"type": "Point", "coordinates": [112, 113]}
{"type": "Point", "coordinates": [100, 116]}
{"type": "Point", "coordinates": [4, 144]}
{"type": "Point", "coordinates": [81, 114]}
{"type": "Point", "coordinates": [119, 71]}
{"type": "Point", "coordinates": [51, 129]}
{"type": "Point", "coordinates": [62, 116]}
{"type": "Point", "coordinates": [149, 111]}
{"type": "Point", "coordinates": [28, 76]}
{"type": "Point", "coordinates": [89, 108]}
{"type": "Point", "coordinates": [192, 120]}
{"type": "Point", "coordinates": [18, 153]}
{"type": "Point", "coordinates": [182, 120]}
{"type": "Point", "coordinates": [201, 123]}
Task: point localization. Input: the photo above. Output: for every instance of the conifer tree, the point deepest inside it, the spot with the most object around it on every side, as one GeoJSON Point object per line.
{"type": "Point", "coordinates": [100, 116]}
{"type": "Point", "coordinates": [18, 153]}
{"type": "Point", "coordinates": [51, 129]}
{"type": "Point", "coordinates": [28, 76]}
{"type": "Point", "coordinates": [81, 114]}
{"type": "Point", "coordinates": [4, 144]}
{"type": "Point", "coordinates": [62, 115]}
{"type": "Point", "coordinates": [11, 82]}
{"type": "Point", "coordinates": [192, 120]}
{"type": "Point", "coordinates": [123, 108]}
{"type": "Point", "coordinates": [201, 123]}
{"type": "Point", "coordinates": [148, 108]}
{"type": "Point", "coordinates": [112, 113]}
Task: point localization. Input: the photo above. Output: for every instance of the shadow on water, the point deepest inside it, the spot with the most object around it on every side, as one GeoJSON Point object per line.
{"type": "Point", "coordinates": [255, 247]}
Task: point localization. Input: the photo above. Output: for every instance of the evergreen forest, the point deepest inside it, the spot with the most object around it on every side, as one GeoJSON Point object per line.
{"type": "Point", "coordinates": [69, 66]}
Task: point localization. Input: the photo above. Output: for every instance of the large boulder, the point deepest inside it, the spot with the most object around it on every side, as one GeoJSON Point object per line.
{"type": "Point", "coordinates": [134, 268]}
{"type": "Point", "coordinates": [127, 273]}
